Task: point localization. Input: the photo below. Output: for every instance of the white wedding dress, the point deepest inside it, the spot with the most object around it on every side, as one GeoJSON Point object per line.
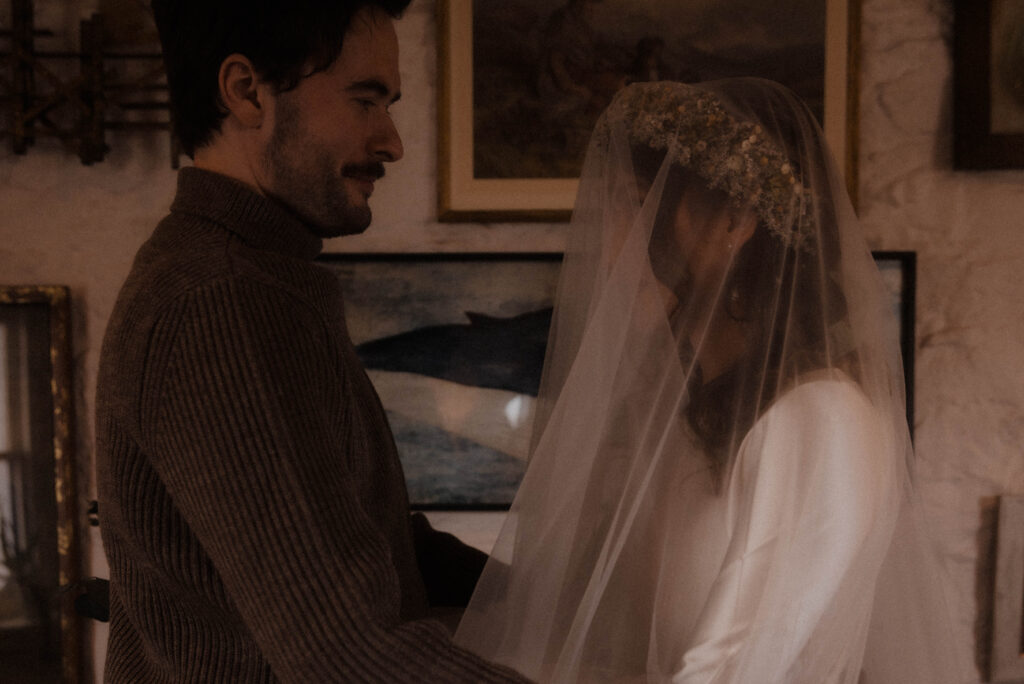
{"type": "Point", "coordinates": [810, 503]}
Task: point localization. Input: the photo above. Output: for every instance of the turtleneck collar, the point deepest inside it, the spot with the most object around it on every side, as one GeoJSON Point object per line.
{"type": "Point", "coordinates": [260, 222]}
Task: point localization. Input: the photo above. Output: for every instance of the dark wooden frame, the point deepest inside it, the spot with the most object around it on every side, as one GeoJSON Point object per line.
{"type": "Point", "coordinates": [975, 146]}
{"type": "Point", "coordinates": [461, 197]}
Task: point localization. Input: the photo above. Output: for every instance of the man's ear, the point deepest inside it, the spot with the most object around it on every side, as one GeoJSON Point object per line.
{"type": "Point", "coordinates": [240, 91]}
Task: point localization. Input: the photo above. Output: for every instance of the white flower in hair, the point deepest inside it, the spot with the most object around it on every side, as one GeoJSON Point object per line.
{"type": "Point", "coordinates": [697, 132]}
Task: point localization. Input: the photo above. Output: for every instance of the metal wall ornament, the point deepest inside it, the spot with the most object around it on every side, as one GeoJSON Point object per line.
{"type": "Point", "coordinates": [77, 96]}
{"type": "Point", "coordinates": [40, 633]}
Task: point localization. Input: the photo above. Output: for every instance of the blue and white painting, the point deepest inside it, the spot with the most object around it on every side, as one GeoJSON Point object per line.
{"type": "Point", "coordinates": [454, 346]}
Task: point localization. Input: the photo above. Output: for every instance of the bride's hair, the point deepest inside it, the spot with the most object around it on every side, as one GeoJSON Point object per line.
{"type": "Point", "coordinates": [764, 285]}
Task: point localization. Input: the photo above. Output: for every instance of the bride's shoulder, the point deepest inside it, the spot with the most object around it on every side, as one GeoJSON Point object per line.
{"type": "Point", "coordinates": [823, 394]}
{"type": "Point", "coordinates": [826, 413]}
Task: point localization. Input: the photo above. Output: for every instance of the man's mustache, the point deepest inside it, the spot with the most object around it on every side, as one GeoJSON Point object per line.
{"type": "Point", "coordinates": [371, 170]}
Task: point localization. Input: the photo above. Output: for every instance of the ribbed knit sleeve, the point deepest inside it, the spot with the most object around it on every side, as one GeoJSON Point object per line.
{"type": "Point", "coordinates": [245, 420]}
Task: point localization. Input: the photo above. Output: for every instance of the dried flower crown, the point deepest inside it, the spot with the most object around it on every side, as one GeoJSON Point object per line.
{"type": "Point", "coordinates": [693, 127]}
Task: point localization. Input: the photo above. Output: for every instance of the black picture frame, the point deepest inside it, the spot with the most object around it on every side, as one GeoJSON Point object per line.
{"type": "Point", "coordinates": [1007, 652]}
{"type": "Point", "coordinates": [899, 271]}
{"type": "Point", "coordinates": [988, 115]}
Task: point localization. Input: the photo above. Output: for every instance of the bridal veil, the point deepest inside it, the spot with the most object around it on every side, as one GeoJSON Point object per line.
{"type": "Point", "coordinates": [720, 486]}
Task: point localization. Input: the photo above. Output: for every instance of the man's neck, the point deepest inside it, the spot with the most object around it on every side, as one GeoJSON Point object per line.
{"type": "Point", "coordinates": [227, 160]}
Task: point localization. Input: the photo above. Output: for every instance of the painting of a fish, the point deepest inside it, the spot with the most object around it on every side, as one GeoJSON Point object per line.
{"type": "Point", "coordinates": [454, 345]}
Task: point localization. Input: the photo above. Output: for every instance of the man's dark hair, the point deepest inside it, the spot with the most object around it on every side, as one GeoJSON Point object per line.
{"type": "Point", "coordinates": [286, 40]}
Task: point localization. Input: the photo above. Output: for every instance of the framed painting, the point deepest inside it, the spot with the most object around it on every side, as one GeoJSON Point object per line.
{"type": "Point", "coordinates": [39, 629]}
{"type": "Point", "coordinates": [454, 344]}
{"type": "Point", "coordinates": [522, 83]}
{"type": "Point", "coordinates": [899, 272]}
{"type": "Point", "coordinates": [1007, 660]}
{"type": "Point", "coordinates": [988, 84]}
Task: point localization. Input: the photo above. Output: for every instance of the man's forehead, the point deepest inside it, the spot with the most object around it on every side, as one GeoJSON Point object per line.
{"type": "Point", "coordinates": [369, 55]}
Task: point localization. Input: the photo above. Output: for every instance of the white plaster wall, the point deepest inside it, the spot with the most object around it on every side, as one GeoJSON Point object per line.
{"type": "Point", "coordinates": [967, 230]}
{"type": "Point", "coordinates": [64, 223]}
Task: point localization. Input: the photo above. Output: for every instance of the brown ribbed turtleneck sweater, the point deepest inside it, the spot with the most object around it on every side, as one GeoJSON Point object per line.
{"type": "Point", "coordinates": [252, 503]}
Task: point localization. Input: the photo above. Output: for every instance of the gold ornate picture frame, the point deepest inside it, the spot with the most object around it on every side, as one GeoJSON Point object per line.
{"type": "Point", "coordinates": [489, 107]}
{"type": "Point", "coordinates": [40, 637]}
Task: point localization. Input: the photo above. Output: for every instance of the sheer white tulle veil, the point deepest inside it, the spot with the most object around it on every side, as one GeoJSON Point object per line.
{"type": "Point", "coordinates": [720, 484]}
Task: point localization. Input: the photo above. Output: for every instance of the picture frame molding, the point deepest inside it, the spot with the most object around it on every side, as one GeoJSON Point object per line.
{"type": "Point", "coordinates": [463, 198]}
{"type": "Point", "coordinates": [975, 146]}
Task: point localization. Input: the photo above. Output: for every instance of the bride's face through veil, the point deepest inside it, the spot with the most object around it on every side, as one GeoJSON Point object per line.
{"type": "Point", "coordinates": [695, 242]}
{"type": "Point", "coordinates": [748, 304]}
{"type": "Point", "coordinates": [709, 247]}
{"type": "Point", "coordinates": [694, 249]}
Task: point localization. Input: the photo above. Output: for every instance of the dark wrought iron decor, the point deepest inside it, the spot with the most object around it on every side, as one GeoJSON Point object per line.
{"type": "Point", "coordinates": [77, 96]}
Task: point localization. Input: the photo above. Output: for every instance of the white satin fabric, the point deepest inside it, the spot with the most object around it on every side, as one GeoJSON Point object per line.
{"type": "Point", "coordinates": [719, 488]}
{"type": "Point", "coordinates": [815, 462]}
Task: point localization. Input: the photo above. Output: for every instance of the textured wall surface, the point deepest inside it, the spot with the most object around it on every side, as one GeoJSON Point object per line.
{"type": "Point", "coordinates": [967, 231]}
{"type": "Point", "coordinates": [64, 223]}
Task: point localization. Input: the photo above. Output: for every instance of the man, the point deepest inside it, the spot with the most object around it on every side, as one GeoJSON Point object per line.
{"type": "Point", "coordinates": [254, 511]}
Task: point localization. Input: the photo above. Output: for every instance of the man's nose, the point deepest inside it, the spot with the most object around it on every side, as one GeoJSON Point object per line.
{"type": "Point", "coordinates": [387, 144]}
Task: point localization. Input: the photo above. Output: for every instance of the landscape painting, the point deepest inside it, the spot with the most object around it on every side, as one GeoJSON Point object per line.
{"type": "Point", "coordinates": [454, 345]}
{"type": "Point", "coordinates": [522, 83]}
{"type": "Point", "coordinates": [543, 71]}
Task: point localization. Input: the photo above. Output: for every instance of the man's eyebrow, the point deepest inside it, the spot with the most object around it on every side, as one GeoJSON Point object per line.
{"type": "Point", "coordinates": [376, 86]}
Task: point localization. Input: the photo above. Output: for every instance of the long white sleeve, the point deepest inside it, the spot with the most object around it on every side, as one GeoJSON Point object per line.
{"type": "Point", "coordinates": [811, 507]}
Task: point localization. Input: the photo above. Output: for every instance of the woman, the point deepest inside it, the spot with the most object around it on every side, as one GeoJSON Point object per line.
{"type": "Point", "coordinates": [719, 482]}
